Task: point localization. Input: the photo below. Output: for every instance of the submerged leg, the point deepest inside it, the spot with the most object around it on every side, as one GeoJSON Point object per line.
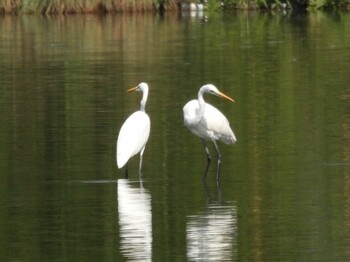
{"type": "Point", "coordinates": [219, 160]}
{"type": "Point", "coordinates": [219, 190]}
{"type": "Point", "coordinates": [208, 157]}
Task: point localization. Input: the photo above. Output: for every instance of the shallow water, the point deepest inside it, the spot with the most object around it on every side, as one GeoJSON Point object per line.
{"type": "Point", "coordinates": [284, 193]}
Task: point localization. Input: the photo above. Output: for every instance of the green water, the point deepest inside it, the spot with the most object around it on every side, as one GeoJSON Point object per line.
{"type": "Point", "coordinates": [284, 193]}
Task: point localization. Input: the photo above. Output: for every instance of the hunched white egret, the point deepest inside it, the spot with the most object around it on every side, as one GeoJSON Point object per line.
{"type": "Point", "coordinates": [208, 123]}
{"type": "Point", "coordinates": [134, 133]}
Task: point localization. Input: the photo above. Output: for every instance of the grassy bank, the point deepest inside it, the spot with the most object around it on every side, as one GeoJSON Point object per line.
{"type": "Point", "coordinates": [82, 6]}
{"type": "Point", "coordinates": [117, 6]}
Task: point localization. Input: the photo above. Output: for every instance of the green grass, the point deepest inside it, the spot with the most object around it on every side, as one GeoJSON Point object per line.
{"type": "Point", "coordinates": [80, 6]}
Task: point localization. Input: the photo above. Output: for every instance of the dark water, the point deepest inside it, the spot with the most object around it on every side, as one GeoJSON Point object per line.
{"type": "Point", "coordinates": [284, 193]}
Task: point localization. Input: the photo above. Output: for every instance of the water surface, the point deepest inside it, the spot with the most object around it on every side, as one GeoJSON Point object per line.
{"type": "Point", "coordinates": [284, 193]}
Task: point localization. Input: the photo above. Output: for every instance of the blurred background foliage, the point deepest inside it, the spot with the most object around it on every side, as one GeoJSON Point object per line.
{"type": "Point", "coordinates": [117, 6]}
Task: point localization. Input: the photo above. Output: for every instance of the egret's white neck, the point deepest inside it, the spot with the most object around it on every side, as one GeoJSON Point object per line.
{"type": "Point", "coordinates": [201, 104]}
{"type": "Point", "coordinates": [144, 99]}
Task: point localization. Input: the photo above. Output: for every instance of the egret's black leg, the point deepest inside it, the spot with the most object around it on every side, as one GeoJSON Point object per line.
{"type": "Point", "coordinates": [208, 157]}
{"type": "Point", "coordinates": [126, 171]}
{"type": "Point", "coordinates": [207, 191]}
{"type": "Point", "coordinates": [219, 161]}
{"type": "Point", "coordinates": [219, 190]}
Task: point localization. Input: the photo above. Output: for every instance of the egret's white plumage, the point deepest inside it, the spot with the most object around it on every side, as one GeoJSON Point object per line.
{"type": "Point", "coordinates": [135, 131]}
{"type": "Point", "coordinates": [207, 122]}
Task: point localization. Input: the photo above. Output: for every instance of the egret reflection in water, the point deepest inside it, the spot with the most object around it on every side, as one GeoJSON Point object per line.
{"type": "Point", "coordinates": [135, 220]}
{"type": "Point", "coordinates": [212, 234]}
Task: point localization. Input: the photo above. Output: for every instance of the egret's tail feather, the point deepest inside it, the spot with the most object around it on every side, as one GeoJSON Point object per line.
{"type": "Point", "coordinates": [121, 161]}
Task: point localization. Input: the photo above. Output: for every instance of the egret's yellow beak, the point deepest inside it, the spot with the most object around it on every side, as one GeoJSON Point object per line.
{"type": "Point", "coordinates": [225, 96]}
{"type": "Point", "coordinates": [133, 89]}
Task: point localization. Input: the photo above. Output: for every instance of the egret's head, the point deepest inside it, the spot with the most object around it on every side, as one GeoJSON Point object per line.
{"type": "Point", "coordinates": [142, 87]}
{"type": "Point", "coordinates": [211, 89]}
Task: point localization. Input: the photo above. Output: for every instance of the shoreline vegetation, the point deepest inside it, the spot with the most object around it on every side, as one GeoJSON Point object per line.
{"type": "Point", "coordinates": [51, 7]}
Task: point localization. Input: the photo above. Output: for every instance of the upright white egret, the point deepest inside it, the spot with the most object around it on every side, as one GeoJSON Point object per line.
{"type": "Point", "coordinates": [134, 133]}
{"type": "Point", "coordinates": [208, 123]}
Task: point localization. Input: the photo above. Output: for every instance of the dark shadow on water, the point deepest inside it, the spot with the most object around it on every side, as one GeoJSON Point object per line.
{"type": "Point", "coordinates": [209, 194]}
{"type": "Point", "coordinates": [96, 181]}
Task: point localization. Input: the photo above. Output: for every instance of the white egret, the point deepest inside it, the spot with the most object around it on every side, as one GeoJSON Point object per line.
{"type": "Point", "coordinates": [208, 123]}
{"type": "Point", "coordinates": [134, 133]}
